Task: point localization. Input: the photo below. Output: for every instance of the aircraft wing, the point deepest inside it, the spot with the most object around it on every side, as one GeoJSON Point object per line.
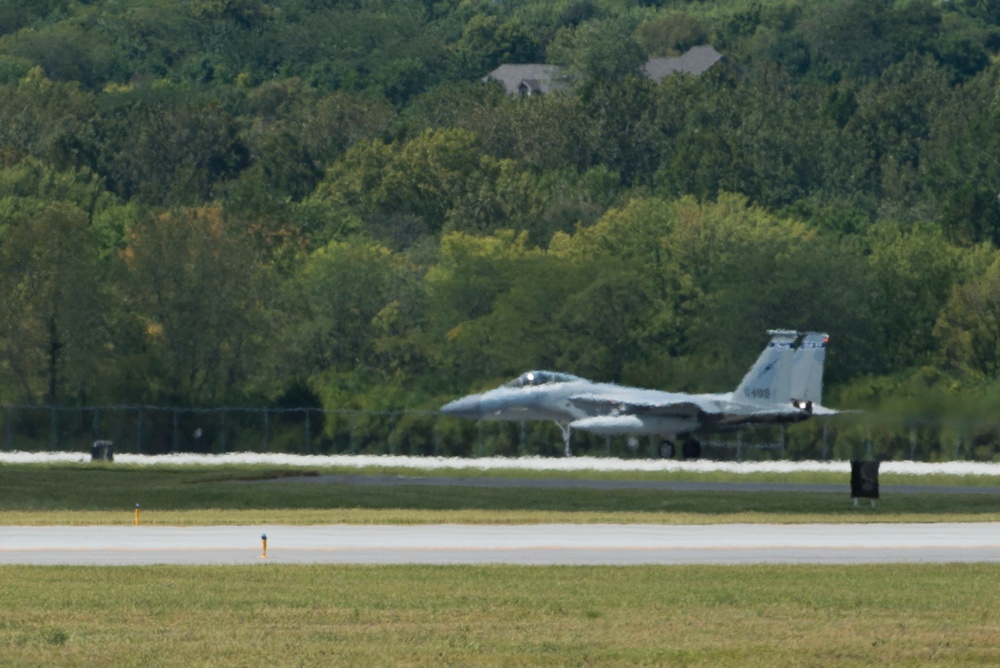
{"type": "Point", "coordinates": [645, 402]}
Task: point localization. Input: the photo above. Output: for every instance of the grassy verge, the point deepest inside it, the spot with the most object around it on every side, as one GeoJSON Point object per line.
{"type": "Point", "coordinates": [107, 494]}
{"type": "Point", "coordinates": [501, 615]}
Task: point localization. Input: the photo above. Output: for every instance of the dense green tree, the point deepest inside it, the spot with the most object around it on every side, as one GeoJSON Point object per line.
{"type": "Point", "coordinates": [199, 306]}
{"type": "Point", "coordinates": [487, 42]}
{"type": "Point", "coordinates": [426, 177]}
{"type": "Point", "coordinates": [17, 14]}
{"type": "Point", "coordinates": [167, 149]}
{"type": "Point", "coordinates": [913, 272]}
{"type": "Point", "coordinates": [960, 167]}
{"type": "Point", "coordinates": [47, 120]}
{"type": "Point", "coordinates": [598, 50]}
{"type": "Point", "coordinates": [894, 117]}
{"type": "Point", "coordinates": [671, 33]}
{"type": "Point", "coordinates": [432, 232]}
{"type": "Point", "coordinates": [51, 317]}
{"type": "Point", "coordinates": [342, 287]}
{"type": "Point", "coordinates": [969, 325]}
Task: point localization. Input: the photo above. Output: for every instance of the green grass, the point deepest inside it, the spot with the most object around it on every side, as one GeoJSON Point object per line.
{"type": "Point", "coordinates": [289, 615]}
{"type": "Point", "coordinates": [271, 615]}
{"type": "Point", "coordinates": [107, 494]}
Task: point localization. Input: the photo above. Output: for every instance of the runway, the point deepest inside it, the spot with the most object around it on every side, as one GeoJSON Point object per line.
{"type": "Point", "coordinates": [545, 544]}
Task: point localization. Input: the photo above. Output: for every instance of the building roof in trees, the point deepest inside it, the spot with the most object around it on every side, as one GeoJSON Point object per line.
{"type": "Point", "coordinates": [529, 78]}
{"type": "Point", "coordinates": [695, 60]}
{"type": "Point", "coordinates": [535, 78]}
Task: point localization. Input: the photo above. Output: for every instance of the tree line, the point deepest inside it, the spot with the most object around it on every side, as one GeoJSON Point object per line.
{"type": "Point", "coordinates": [320, 203]}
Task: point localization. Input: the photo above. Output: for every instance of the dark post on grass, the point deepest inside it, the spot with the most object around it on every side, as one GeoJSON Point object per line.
{"type": "Point", "coordinates": [864, 481]}
{"type": "Point", "coordinates": [102, 451]}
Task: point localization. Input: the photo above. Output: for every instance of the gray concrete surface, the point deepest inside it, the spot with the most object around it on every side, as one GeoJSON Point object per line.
{"type": "Point", "coordinates": [663, 485]}
{"type": "Point", "coordinates": [607, 544]}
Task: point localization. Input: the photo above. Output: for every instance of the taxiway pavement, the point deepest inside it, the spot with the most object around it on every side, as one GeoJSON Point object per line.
{"type": "Point", "coordinates": [540, 544]}
{"type": "Point", "coordinates": [580, 483]}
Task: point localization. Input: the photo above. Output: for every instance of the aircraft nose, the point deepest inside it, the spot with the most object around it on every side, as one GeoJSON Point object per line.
{"type": "Point", "coordinates": [466, 407]}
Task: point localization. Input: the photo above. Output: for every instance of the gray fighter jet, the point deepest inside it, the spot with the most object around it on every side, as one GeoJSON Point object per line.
{"type": "Point", "coordinates": [784, 385]}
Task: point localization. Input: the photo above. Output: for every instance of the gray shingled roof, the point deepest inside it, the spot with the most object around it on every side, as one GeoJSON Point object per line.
{"type": "Point", "coordinates": [695, 61]}
{"type": "Point", "coordinates": [538, 78]}
{"type": "Point", "coordinates": [533, 78]}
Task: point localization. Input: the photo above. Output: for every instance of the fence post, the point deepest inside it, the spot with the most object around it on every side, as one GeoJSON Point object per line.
{"type": "Point", "coordinates": [391, 442]}
{"type": "Point", "coordinates": [352, 425]}
{"type": "Point", "coordinates": [437, 437]}
{"type": "Point", "coordinates": [222, 430]}
{"type": "Point", "coordinates": [9, 436]}
{"type": "Point", "coordinates": [267, 429]}
{"type": "Point", "coordinates": [53, 429]}
{"type": "Point", "coordinates": [308, 434]}
{"type": "Point", "coordinates": [138, 433]}
{"type": "Point", "coordinates": [177, 435]}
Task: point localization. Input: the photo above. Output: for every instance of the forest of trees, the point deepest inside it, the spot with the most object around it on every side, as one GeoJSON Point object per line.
{"type": "Point", "coordinates": [321, 203]}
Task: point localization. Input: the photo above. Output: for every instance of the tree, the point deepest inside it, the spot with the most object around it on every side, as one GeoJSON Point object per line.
{"type": "Point", "coordinates": [342, 287]}
{"type": "Point", "coordinates": [462, 287]}
{"type": "Point", "coordinates": [599, 50]}
{"type": "Point", "coordinates": [422, 178]}
{"type": "Point", "coordinates": [200, 308]}
{"type": "Point", "coordinates": [170, 149]}
{"type": "Point", "coordinates": [487, 42]}
{"type": "Point", "coordinates": [51, 317]}
{"type": "Point", "coordinates": [671, 33]}
{"type": "Point", "coordinates": [50, 121]}
{"type": "Point", "coordinates": [913, 270]}
{"type": "Point", "coordinates": [968, 328]}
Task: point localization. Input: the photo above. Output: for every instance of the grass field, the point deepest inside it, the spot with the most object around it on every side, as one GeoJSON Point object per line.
{"type": "Point", "coordinates": [185, 495]}
{"type": "Point", "coordinates": [501, 615]}
{"type": "Point", "coordinates": [287, 615]}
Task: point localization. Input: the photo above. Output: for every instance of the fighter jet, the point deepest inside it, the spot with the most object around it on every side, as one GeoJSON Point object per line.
{"type": "Point", "coordinates": [784, 385]}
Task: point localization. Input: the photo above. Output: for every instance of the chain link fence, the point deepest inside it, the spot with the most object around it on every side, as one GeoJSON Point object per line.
{"type": "Point", "coordinates": [160, 430]}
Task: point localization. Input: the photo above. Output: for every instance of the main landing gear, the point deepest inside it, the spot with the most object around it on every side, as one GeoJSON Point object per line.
{"type": "Point", "coordinates": [690, 449]}
{"type": "Point", "coordinates": [567, 433]}
{"type": "Point", "coordinates": [666, 449]}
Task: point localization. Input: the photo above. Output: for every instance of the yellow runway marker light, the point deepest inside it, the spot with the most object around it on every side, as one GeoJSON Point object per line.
{"type": "Point", "coordinates": [263, 539]}
{"type": "Point", "coordinates": [137, 514]}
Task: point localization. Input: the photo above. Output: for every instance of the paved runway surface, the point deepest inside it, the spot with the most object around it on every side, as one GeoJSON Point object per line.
{"type": "Point", "coordinates": [661, 485]}
{"type": "Point", "coordinates": [528, 544]}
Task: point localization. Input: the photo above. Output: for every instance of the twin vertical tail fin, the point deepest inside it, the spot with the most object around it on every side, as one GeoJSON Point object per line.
{"type": "Point", "coordinates": [769, 379]}
{"type": "Point", "coordinates": [807, 371]}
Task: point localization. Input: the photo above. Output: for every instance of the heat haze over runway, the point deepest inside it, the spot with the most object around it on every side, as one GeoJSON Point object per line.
{"type": "Point", "coordinates": [565, 544]}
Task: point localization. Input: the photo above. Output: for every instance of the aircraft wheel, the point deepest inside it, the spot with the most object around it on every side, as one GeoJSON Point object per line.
{"type": "Point", "coordinates": [666, 450]}
{"type": "Point", "coordinates": [691, 449]}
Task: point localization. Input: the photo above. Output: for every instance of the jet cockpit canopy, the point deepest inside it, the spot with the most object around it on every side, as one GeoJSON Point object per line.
{"type": "Point", "coordinates": [530, 378]}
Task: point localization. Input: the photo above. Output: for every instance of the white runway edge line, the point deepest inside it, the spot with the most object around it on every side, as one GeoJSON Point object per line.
{"type": "Point", "coordinates": [503, 463]}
